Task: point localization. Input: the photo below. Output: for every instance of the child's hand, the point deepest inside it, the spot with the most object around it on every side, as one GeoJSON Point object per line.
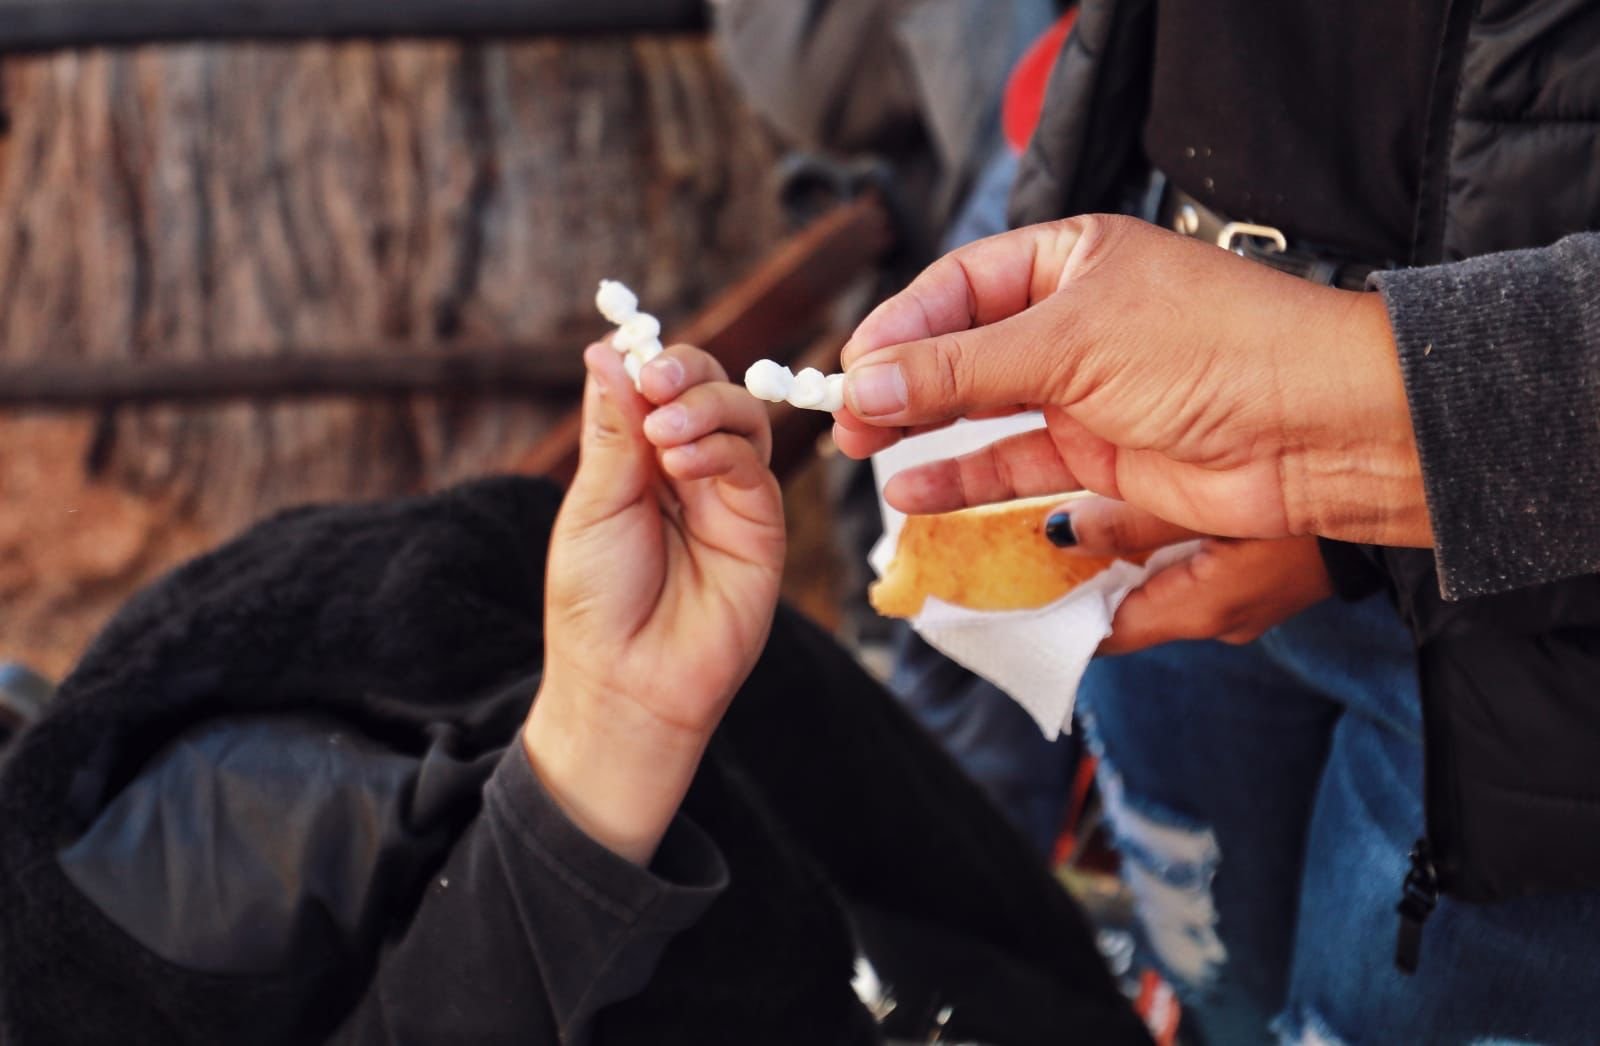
{"type": "Point", "coordinates": [662, 582]}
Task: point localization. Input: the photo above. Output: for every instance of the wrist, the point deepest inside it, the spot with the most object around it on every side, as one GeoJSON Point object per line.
{"type": "Point", "coordinates": [618, 772]}
{"type": "Point", "coordinates": [1351, 467]}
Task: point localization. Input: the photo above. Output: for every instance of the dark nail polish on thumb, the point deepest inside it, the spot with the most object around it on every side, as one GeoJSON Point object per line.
{"type": "Point", "coordinates": [1058, 528]}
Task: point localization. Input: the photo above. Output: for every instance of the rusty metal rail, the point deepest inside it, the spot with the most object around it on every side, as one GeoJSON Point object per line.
{"type": "Point", "coordinates": [37, 26]}
{"type": "Point", "coordinates": [518, 372]}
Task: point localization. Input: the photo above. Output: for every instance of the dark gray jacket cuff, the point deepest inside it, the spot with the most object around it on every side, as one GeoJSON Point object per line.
{"type": "Point", "coordinates": [1501, 358]}
{"type": "Point", "coordinates": [598, 922]}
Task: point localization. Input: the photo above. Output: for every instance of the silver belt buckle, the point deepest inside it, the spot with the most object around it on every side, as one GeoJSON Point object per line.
{"type": "Point", "coordinates": [1234, 233]}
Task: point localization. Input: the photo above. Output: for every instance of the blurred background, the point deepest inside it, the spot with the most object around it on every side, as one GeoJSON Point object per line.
{"type": "Point", "coordinates": [194, 203]}
{"type": "Point", "coordinates": [258, 255]}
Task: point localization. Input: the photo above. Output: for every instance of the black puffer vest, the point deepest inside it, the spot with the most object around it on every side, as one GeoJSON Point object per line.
{"type": "Point", "coordinates": [1510, 683]}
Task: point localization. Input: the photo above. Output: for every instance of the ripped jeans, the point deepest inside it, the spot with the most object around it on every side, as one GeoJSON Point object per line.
{"type": "Point", "coordinates": [1264, 799]}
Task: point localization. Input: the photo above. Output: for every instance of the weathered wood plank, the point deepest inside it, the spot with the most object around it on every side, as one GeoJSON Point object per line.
{"type": "Point", "coordinates": [32, 25]}
{"type": "Point", "coordinates": [516, 373]}
{"type": "Point", "coordinates": [243, 201]}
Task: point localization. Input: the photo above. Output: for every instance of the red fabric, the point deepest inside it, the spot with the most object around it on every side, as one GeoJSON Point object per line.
{"type": "Point", "coordinates": [1159, 1008]}
{"type": "Point", "coordinates": [1024, 99]}
{"type": "Point", "coordinates": [1082, 785]}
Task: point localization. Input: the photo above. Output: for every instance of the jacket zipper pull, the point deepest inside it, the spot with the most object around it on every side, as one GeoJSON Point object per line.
{"type": "Point", "coordinates": [1418, 898]}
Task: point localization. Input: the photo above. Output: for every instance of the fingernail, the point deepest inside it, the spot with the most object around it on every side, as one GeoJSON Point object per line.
{"type": "Point", "coordinates": [668, 421]}
{"type": "Point", "coordinates": [669, 369]}
{"type": "Point", "coordinates": [1058, 528]}
{"type": "Point", "coordinates": [876, 390]}
{"type": "Point", "coordinates": [592, 359]}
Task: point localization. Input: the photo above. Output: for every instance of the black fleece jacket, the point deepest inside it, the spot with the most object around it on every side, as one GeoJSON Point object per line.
{"type": "Point", "coordinates": [279, 801]}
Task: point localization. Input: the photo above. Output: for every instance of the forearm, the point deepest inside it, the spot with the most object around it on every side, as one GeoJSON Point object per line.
{"type": "Point", "coordinates": [617, 772]}
{"type": "Point", "coordinates": [1501, 361]}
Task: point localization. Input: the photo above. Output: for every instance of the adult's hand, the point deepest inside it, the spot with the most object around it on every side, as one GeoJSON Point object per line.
{"type": "Point", "coordinates": [1212, 391]}
{"type": "Point", "coordinates": [661, 586]}
{"type": "Point", "coordinates": [1230, 589]}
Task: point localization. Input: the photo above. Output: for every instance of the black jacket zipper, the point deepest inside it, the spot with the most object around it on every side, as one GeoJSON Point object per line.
{"type": "Point", "coordinates": [1418, 897]}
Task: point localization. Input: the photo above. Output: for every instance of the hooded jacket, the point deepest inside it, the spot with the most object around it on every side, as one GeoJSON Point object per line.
{"type": "Point", "coordinates": [281, 800]}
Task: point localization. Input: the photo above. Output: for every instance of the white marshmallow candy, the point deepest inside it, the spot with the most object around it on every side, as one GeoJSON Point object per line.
{"type": "Point", "coordinates": [616, 302]}
{"type": "Point", "coordinates": [637, 332]}
{"type": "Point", "coordinates": [809, 390]}
{"type": "Point", "coordinates": [769, 380]}
{"type": "Point", "coordinates": [834, 399]}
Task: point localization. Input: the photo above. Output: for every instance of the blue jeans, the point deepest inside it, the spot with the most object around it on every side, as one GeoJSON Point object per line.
{"type": "Point", "coordinates": [1264, 799]}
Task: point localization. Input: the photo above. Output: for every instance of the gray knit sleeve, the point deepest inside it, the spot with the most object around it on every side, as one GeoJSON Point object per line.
{"type": "Point", "coordinates": [1501, 358]}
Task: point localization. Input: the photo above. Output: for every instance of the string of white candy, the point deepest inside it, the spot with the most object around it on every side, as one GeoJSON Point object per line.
{"type": "Point", "coordinates": [809, 390]}
{"type": "Point", "coordinates": [638, 335]}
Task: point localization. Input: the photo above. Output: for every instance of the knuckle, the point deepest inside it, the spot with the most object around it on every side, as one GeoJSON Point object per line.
{"type": "Point", "coordinates": [707, 400]}
{"type": "Point", "coordinates": [1226, 619]}
{"type": "Point", "coordinates": [950, 376]}
{"type": "Point", "coordinates": [1205, 568]}
{"type": "Point", "coordinates": [1098, 236]}
{"type": "Point", "coordinates": [1109, 229]}
{"type": "Point", "coordinates": [604, 429]}
{"type": "Point", "coordinates": [1122, 531]}
{"type": "Point", "coordinates": [1241, 636]}
{"type": "Point", "coordinates": [964, 475]}
{"type": "Point", "coordinates": [984, 476]}
{"type": "Point", "coordinates": [918, 296]}
{"type": "Point", "coordinates": [1098, 529]}
{"type": "Point", "coordinates": [1242, 626]}
{"type": "Point", "coordinates": [698, 364]}
{"type": "Point", "coordinates": [1213, 623]}
{"type": "Point", "coordinates": [1007, 482]}
{"type": "Point", "coordinates": [1093, 531]}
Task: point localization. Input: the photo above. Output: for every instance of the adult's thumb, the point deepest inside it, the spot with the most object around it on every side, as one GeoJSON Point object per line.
{"type": "Point", "coordinates": [1016, 362]}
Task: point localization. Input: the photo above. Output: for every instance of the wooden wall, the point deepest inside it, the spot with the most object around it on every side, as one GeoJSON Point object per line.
{"type": "Point", "coordinates": [208, 201]}
{"type": "Point", "coordinates": [221, 200]}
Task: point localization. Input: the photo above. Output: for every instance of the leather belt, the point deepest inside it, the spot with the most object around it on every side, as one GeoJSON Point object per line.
{"type": "Point", "coordinates": [1184, 214]}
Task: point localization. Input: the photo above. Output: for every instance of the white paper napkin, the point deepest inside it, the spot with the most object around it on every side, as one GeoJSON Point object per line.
{"type": "Point", "coordinates": [1038, 657]}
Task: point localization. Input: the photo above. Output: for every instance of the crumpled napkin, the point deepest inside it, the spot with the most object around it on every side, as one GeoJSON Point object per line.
{"type": "Point", "coordinates": [1039, 656]}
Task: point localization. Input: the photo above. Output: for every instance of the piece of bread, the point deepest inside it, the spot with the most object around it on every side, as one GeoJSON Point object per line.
{"type": "Point", "coordinates": [994, 557]}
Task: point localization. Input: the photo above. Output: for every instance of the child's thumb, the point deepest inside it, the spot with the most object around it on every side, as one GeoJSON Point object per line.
{"type": "Point", "coordinates": [615, 461]}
